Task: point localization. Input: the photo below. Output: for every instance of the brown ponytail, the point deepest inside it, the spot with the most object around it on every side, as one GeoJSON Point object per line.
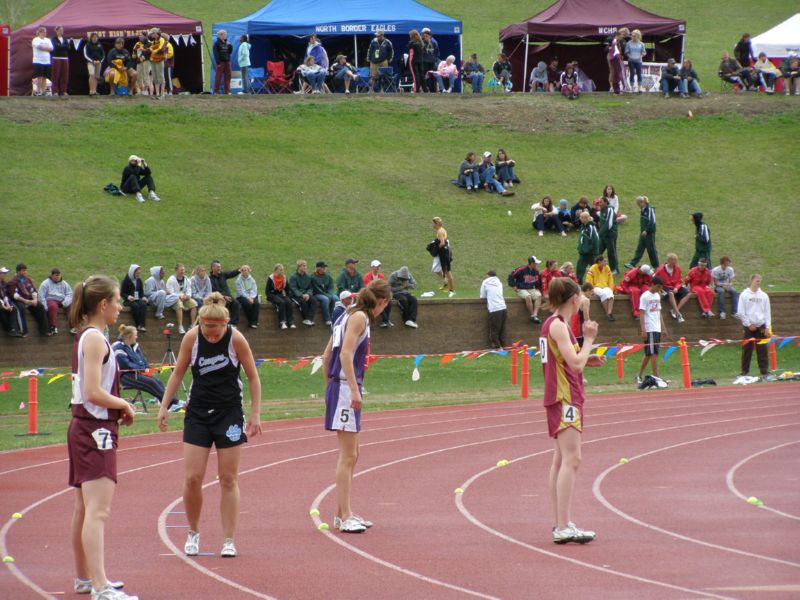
{"type": "Point", "coordinates": [560, 290]}
{"type": "Point", "coordinates": [87, 296]}
{"type": "Point", "coordinates": [377, 289]}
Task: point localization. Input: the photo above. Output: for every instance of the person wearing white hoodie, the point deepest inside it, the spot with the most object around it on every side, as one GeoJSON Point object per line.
{"type": "Point", "coordinates": [756, 317]}
{"type": "Point", "coordinates": [55, 294]}
{"type": "Point", "coordinates": [492, 291]}
{"type": "Point", "coordinates": [181, 286]}
{"type": "Point", "coordinates": [156, 291]}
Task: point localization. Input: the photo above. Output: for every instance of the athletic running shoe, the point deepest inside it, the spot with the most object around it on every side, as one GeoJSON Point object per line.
{"type": "Point", "coordinates": [451, 294]}
{"type": "Point", "coordinates": [352, 525]}
{"type": "Point", "coordinates": [337, 522]}
{"type": "Point", "coordinates": [228, 549]}
{"type": "Point", "coordinates": [84, 586]}
{"type": "Point", "coordinates": [673, 313]}
{"type": "Point", "coordinates": [109, 593]}
{"type": "Point", "coordinates": [139, 197]}
{"type": "Point", "coordinates": [192, 545]}
{"type": "Point", "coordinates": [411, 324]}
{"type": "Point", "coordinates": [680, 318]}
{"type": "Point", "coordinates": [767, 377]}
{"type": "Point", "coordinates": [722, 315]}
{"type": "Point", "coordinates": [154, 198]}
{"type": "Point", "coordinates": [638, 380]}
{"type": "Point", "coordinates": [570, 533]}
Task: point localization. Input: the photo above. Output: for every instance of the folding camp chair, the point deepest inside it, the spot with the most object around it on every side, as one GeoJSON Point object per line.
{"type": "Point", "coordinates": [277, 82]}
{"type": "Point", "coordinates": [362, 83]}
{"type": "Point", "coordinates": [386, 80]}
{"type": "Point", "coordinates": [137, 397]}
{"type": "Point", "coordinates": [258, 83]}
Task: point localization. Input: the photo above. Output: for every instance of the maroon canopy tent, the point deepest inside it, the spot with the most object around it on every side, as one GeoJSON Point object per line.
{"type": "Point", "coordinates": [578, 30]}
{"type": "Point", "coordinates": [110, 19]}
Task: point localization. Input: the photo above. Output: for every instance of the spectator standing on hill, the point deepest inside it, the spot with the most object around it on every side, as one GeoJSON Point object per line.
{"type": "Point", "coordinates": [401, 282]}
{"type": "Point", "coordinates": [136, 176]}
{"type": "Point", "coordinates": [24, 295]}
{"type": "Point", "coordinates": [243, 58]}
{"type": "Point", "coordinates": [608, 233]}
{"type": "Point", "coordinates": [223, 50]}
{"type": "Point", "coordinates": [180, 286]}
{"type": "Point", "coordinates": [731, 71]}
{"type": "Point", "coordinates": [504, 168]}
{"type": "Point", "coordinates": [702, 240]}
{"type": "Point", "coordinates": [487, 171]}
{"type": "Point", "coordinates": [690, 81]}
{"type": "Point", "coordinates": [468, 175]}
{"type": "Point", "coordinates": [200, 286]}
{"type": "Point", "coordinates": [767, 72]}
{"type": "Point", "coordinates": [42, 47]}
{"type": "Point", "coordinates": [653, 327]}
{"type": "Point", "coordinates": [446, 68]}
{"type": "Point", "coordinates": [132, 292]}
{"type": "Point", "coordinates": [613, 201]}
{"type": "Point", "coordinates": [635, 282]}
{"type": "Point", "coordinates": [94, 54]}
{"type": "Point", "coordinates": [9, 315]}
{"type": "Point", "coordinates": [671, 79]}
{"type": "Point", "coordinates": [502, 72]}
{"type": "Point", "coordinates": [156, 291]}
{"type": "Point", "coordinates": [474, 73]}
{"type": "Point", "coordinates": [672, 280]}
{"type": "Point", "coordinates": [219, 283]}
{"type": "Point", "coordinates": [141, 54]}
{"type": "Point", "coordinates": [743, 51]}
{"type": "Point", "coordinates": [790, 67]}
{"type": "Point", "coordinates": [615, 60]}
{"type": "Point", "coordinates": [430, 55]}
{"type": "Point", "coordinates": [445, 256]}
{"type": "Point", "coordinates": [647, 234]}
{"type": "Point", "coordinates": [279, 298]}
{"type": "Point", "coordinates": [588, 245]}
{"type": "Point", "coordinates": [374, 274]}
{"type": "Point", "coordinates": [301, 291]}
{"type": "Point", "coordinates": [55, 294]}
{"type": "Point", "coordinates": [723, 276]}
{"type": "Point", "coordinates": [756, 317]}
{"type": "Point", "coordinates": [322, 285]}
{"type": "Point", "coordinates": [349, 279]}
{"type": "Point", "coordinates": [602, 280]}
{"type": "Point", "coordinates": [169, 64]}
{"type": "Point", "coordinates": [158, 56]}
{"type": "Point", "coordinates": [380, 54]}
{"type": "Point", "coordinates": [699, 281]}
{"type": "Point", "coordinates": [59, 62]}
{"type": "Point", "coordinates": [539, 77]}
{"type": "Point", "coordinates": [415, 64]}
{"type": "Point", "coordinates": [492, 291]}
{"type": "Point", "coordinates": [247, 296]}
{"type": "Point", "coordinates": [316, 50]}
{"type": "Point", "coordinates": [526, 281]}
{"type": "Point", "coordinates": [635, 51]}
{"type": "Point", "coordinates": [545, 216]}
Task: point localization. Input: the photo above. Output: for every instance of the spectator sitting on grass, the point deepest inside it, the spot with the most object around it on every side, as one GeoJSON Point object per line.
{"type": "Point", "coordinates": [344, 71]}
{"type": "Point", "coordinates": [582, 206]}
{"type": "Point", "coordinates": [569, 82]}
{"type": "Point", "coordinates": [671, 79]}
{"type": "Point", "coordinates": [133, 365]}
{"type": "Point", "coordinates": [322, 284]}
{"type": "Point", "coordinates": [314, 74]}
{"type": "Point", "coordinates": [301, 291]}
{"type": "Point", "coordinates": [468, 175]}
{"type": "Point", "coordinates": [731, 71]}
{"type": "Point", "coordinates": [690, 82]}
{"type": "Point", "coordinates": [156, 291]}
{"type": "Point", "coordinates": [502, 72]}
{"type": "Point", "coordinates": [181, 286]}
{"type": "Point", "coordinates": [219, 283]}
{"type": "Point", "coordinates": [584, 83]}
{"type": "Point", "coordinates": [247, 296]}
{"type": "Point", "coordinates": [446, 68]}
{"type": "Point", "coordinates": [486, 170]}
{"type": "Point", "coordinates": [401, 281]}
{"type": "Point", "coordinates": [504, 169]}
{"type": "Point", "coordinates": [136, 176]}
{"type": "Point", "coordinates": [55, 294]}
{"type": "Point", "coordinates": [346, 298]}
{"type": "Point", "coordinates": [474, 73]}
{"type": "Point", "coordinates": [539, 77]}
{"type": "Point", "coordinates": [602, 280]}
{"type": "Point", "coordinates": [200, 286]}
{"type": "Point", "coordinates": [9, 314]}
{"type": "Point", "coordinates": [375, 273]}
{"type": "Point", "coordinates": [565, 215]}
{"type": "Point", "coordinates": [349, 279]}
{"type": "Point", "coordinates": [23, 293]}
{"type": "Point", "coordinates": [672, 279]}
{"type": "Point", "coordinates": [790, 67]}
{"type": "Point", "coordinates": [767, 73]}
{"type": "Point", "coordinates": [276, 294]}
{"type": "Point", "coordinates": [546, 216]}
{"type": "Point", "coordinates": [613, 202]}
{"type": "Point", "coordinates": [131, 291]}
{"type": "Point", "coordinates": [553, 75]}
{"type": "Point", "coordinates": [526, 281]}
{"type": "Point", "coordinates": [723, 277]}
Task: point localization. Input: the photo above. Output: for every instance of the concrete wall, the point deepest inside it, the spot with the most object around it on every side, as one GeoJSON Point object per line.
{"type": "Point", "coordinates": [444, 326]}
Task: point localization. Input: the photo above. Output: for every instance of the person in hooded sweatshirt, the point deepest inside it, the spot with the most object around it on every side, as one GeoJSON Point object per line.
{"type": "Point", "coordinates": [316, 50]}
{"type": "Point", "coordinates": [702, 240]}
{"type": "Point", "coordinates": [539, 77]}
{"type": "Point", "coordinates": [131, 291]}
{"type": "Point", "coordinates": [156, 291]}
{"type": "Point", "coordinates": [492, 291]}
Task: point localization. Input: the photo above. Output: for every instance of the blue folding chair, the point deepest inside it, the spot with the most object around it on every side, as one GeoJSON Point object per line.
{"type": "Point", "coordinates": [387, 81]}
{"type": "Point", "coordinates": [258, 84]}
{"type": "Point", "coordinates": [362, 83]}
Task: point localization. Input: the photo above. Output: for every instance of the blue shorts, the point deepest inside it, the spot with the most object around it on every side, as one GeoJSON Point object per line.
{"type": "Point", "coordinates": [339, 415]}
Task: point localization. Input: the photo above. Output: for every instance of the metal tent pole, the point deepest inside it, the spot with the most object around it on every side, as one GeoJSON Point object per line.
{"type": "Point", "coordinates": [355, 45]}
{"type": "Point", "coordinates": [461, 59]}
{"type": "Point", "coordinates": [203, 58]}
{"type": "Point", "coordinates": [525, 68]}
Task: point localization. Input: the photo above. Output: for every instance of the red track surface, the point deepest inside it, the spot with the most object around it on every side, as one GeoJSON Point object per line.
{"type": "Point", "coordinates": [673, 523]}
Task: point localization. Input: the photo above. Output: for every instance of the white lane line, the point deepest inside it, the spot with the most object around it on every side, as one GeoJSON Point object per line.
{"type": "Point", "coordinates": [731, 474]}
{"type": "Point", "coordinates": [602, 499]}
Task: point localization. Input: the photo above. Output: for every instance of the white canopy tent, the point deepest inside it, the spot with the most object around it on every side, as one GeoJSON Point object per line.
{"type": "Point", "coordinates": [779, 41]}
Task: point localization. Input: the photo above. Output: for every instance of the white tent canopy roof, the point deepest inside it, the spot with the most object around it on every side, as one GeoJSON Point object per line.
{"type": "Point", "coordinates": [780, 40]}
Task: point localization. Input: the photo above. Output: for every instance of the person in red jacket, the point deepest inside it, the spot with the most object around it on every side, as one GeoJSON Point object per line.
{"type": "Point", "coordinates": [634, 284]}
{"type": "Point", "coordinates": [551, 270]}
{"type": "Point", "coordinates": [670, 273]}
{"type": "Point", "coordinates": [699, 281]}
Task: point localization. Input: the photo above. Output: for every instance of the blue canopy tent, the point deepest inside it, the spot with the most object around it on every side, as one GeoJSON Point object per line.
{"type": "Point", "coordinates": [280, 30]}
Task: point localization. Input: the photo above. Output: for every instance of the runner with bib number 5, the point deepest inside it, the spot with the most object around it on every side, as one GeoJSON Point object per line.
{"type": "Point", "coordinates": [563, 363]}
{"type": "Point", "coordinates": [344, 363]}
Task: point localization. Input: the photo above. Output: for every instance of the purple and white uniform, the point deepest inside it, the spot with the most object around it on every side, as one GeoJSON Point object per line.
{"type": "Point", "coordinates": [339, 416]}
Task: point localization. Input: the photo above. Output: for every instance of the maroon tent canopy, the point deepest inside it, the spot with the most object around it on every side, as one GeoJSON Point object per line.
{"type": "Point", "coordinates": [577, 30]}
{"type": "Point", "coordinates": [110, 19]}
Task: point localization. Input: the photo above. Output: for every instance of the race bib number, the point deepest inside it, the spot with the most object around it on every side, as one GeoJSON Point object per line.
{"type": "Point", "coordinates": [102, 437]}
{"type": "Point", "coordinates": [569, 414]}
{"type": "Point", "coordinates": [543, 349]}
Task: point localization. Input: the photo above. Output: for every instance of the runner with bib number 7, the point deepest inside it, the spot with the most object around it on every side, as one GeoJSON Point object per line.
{"type": "Point", "coordinates": [563, 363]}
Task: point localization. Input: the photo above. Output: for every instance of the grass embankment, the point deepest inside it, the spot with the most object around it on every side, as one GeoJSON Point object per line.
{"type": "Point", "coordinates": [294, 394]}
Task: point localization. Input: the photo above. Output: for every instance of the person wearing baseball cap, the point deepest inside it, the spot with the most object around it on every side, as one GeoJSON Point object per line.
{"type": "Point", "coordinates": [9, 316]}
{"type": "Point", "coordinates": [790, 67]}
{"type": "Point", "coordinates": [136, 176]}
{"type": "Point", "coordinates": [375, 273]}
{"type": "Point", "coordinates": [346, 298]}
{"type": "Point", "coordinates": [487, 170]}
{"type": "Point", "coordinates": [635, 282]}
{"type": "Point", "coordinates": [322, 288]}
{"type": "Point", "coordinates": [671, 79]}
{"type": "Point", "coordinates": [526, 281]}
{"type": "Point", "coordinates": [349, 279]}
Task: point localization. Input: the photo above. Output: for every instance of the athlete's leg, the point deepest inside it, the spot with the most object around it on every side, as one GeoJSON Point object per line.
{"type": "Point", "coordinates": [569, 442]}
{"type": "Point", "coordinates": [348, 456]}
{"type": "Point", "coordinates": [228, 469]}
{"type": "Point", "coordinates": [553, 480]}
{"type": "Point", "coordinates": [195, 459]}
{"type": "Point", "coordinates": [78, 513]}
{"type": "Point", "coordinates": [97, 497]}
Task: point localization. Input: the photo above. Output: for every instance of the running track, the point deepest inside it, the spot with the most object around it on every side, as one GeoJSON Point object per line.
{"type": "Point", "coordinates": [673, 523]}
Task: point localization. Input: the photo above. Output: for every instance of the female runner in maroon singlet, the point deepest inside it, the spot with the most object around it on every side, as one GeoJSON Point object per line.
{"type": "Point", "coordinates": [563, 363]}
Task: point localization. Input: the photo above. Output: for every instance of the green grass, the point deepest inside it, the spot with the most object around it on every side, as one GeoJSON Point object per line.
{"type": "Point", "coordinates": [294, 394]}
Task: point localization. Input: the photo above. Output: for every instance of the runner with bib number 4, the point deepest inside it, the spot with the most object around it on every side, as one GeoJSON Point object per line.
{"type": "Point", "coordinates": [563, 363]}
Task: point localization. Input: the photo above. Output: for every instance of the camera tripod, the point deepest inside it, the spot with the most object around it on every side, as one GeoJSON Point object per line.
{"type": "Point", "coordinates": [169, 355]}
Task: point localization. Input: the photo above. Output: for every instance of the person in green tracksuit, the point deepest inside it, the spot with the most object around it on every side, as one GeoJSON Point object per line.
{"type": "Point", "coordinates": [647, 237]}
{"type": "Point", "coordinates": [702, 240]}
{"type": "Point", "coordinates": [608, 233]}
{"type": "Point", "coordinates": [588, 245]}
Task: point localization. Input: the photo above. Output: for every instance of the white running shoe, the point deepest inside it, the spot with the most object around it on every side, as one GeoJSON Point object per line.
{"type": "Point", "coordinates": [412, 324]}
{"type": "Point", "coordinates": [153, 197]}
{"type": "Point", "coordinates": [571, 533]}
{"type": "Point", "coordinates": [722, 315]}
{"type": "Point", "coordinates": [84, 586]}
{"type": "Point", "coordinates": [228, 549]}
{"type": "Point", "coordinates": [451, 294]}
{"type": "Point", "coordinates": [192, 545]}
{"type": "Point", "coordinates": [352, 525]}
{"type": "Point", "coordinates": [110, 593]}
{"type": "Point", "coordinates": [283, 325]}
{"type": "Point", "coordinates": [181, 330]}
{"type": "Point", "coordinates": [308, 322]}
{"type": "Point", "coordinates": [139, 197]}
{"type": "Point", "coordinates": [337, 522]}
